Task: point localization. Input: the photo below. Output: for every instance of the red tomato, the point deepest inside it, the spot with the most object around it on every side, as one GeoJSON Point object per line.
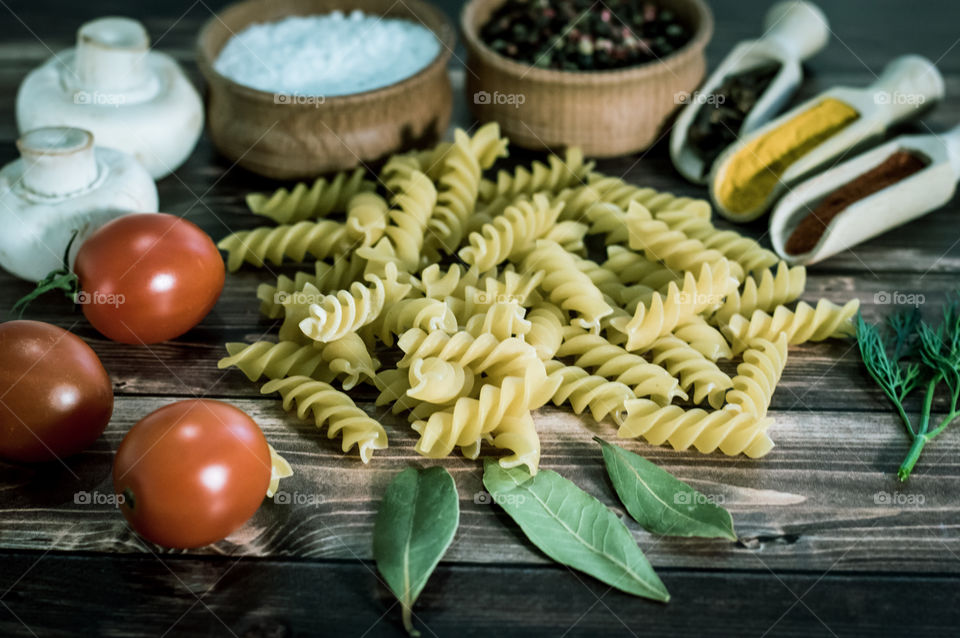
{"type": "Point", "coordinates": [55, 397]}
{"type": "Point", "coordinates": [148, 278]}
{"type": "Point", "coordinates": [191, 473]}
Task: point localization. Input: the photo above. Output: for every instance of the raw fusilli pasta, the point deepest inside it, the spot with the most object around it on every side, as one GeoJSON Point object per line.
{"type": "Point", "coordinates": [566, 286]}
{"type": "Point", "coordinates": [612, 362]}
{"type": "Point", "coordinates": [743, 250]}
{"type": "Point", "coordinates": [512, 234]}
{"type": "Point", "coordinates": [730, 432]}
{"type": "Point", "coordinates": [340, 275]}
{"type": "Point", "coordinates": [806, 323]}
{"type": "Point", "coordinates": [275, 360]}
{"type": "Point", "coordinates": [664, 313]}
{"type": "Point", "coordinates": [695, 372]}
{"type": "Point", "coordinates": [272, 245]}
{"type": "Point", "coordinates": [460, 183]}
{"type": "Point", "coordinates": [337, 315]}
{"type": "Point", "coordinates": [539, 178]}
{"type": "Point", "coordinates": [770, 291]}
{"type": "Point", "coordinates": [757, 376]}
{"type": "Point", "coordinates": [366, 218]}
{"type": "Point", "coordinates": [424, 312]}
{"type": "Point", "coordinates": [310, 202]}
{"type": "Point", "coordinates": [503, 320]}
{"type": "Point", "coordinates": [469, 419]}
{"type": "Point", "coordinates": [484, 354]}
{"type": "Point", "coordinates": [532, 315]}
{"type": "Point", "coordinates": [546, 329]}
{"type": "Point", "coordinates": [328, 406]}
{"type": "Point", "coordinates": [583, 390]}
{"type": "Point", "coordinates": [677, 251]}
{"type": "Point", "coordinates": [438, 381]}
{"type": "Point", "coordinates": [703, 338]}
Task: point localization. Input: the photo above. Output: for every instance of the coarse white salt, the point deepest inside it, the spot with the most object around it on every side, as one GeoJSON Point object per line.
{"type": "Point", "coordinates": [327, 55]}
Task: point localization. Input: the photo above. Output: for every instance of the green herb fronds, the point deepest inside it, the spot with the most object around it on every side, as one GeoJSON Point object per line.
{"type": "Point", "coordinates": [901, 357]}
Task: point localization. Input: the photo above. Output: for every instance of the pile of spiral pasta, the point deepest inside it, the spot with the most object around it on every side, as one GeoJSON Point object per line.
{"type": "Point", "coordinates": [496, 307]}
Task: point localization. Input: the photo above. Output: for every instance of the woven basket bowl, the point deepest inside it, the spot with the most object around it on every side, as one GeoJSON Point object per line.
{"type": "Point", "coordinates": [290, 139]}
{"type": "Point", "coordinates": [605, 113]}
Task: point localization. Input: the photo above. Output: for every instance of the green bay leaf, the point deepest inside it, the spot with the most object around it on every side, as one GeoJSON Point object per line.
{"type": "Point", "coordinates": [660, 502]}
{"type": "Point", "coordinates": [414, 527]}
{"type": "Point", "coordinates": [573, 528]}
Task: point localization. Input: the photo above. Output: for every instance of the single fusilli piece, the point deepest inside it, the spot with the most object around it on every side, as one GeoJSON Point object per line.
{"type": "Point", "coordinates": [703, 338]}
{"type": "Point", "coordinates": [509, 286]}
{"type": "Point", "coordinates": [550, 178]}
{"type": "Point", "coordinates": [757, 376]}
{"type": "Point", "coordinates": [806, 323]}
{"type": "Point", "coordinates": [331, 407]}
{"type": "Point", "coordinates": [484, 354]}
{"type": "Point", "coordinates": [349, 358]}
{"type": "Point", "coordinates": [566, 286]}
{"type": "Point", "coordinates": [460, 183]}
{"type": "Point", "coordinates": [296, 308]}
{"type": "Point", "coordinates": [770, 291]}
{"type": "Point", "coordinates": [518, 435]}
{"type": "Point", "coordinates": [512, 234]}
{"type": "Point", "coordinates": [469, 420]}
{"type": "Point", "coordinates": [633, 268]}
{"type": "Point", "coordinates": [583, 390]}
{"type": "Point", "coordinates": [570, 235]}
{"type": "Point", "coordinates": [620, 193]}
{"type": "Point", "coordinates": [502, 320]}
{"type": "Point", "coordinates": [273, 244]}
{"type": "Point", "coordinates": [437, 381]}
{"type": "Point", "coordinates": [546, 329]}
{"type": "Point", "coordinates": [612, 362]}
{"type": "Point", "coordinates": [664, 312]}
{"type": "Point", "coordinates": [275, 360]}
{"type": "Point", "coordinates": [310, 202]}
{"type": "Point", "coordinates": [677, 251]}
{"type": "Point", "coordinates": [341, 274]}
{"type": "Point", "coordinates": [436, 283]}
{"type": "Point", "coordinates": [699, 376]}
{"type": "Point", "coordinates": [605, 280]}
{"type": "Point", "coordinates": [337, 315]}
{"type": "Point", "coordinates": [730, 432]}
{"type": "Point", "coordinates": [366, 218]}
{"type": "Point", "coordinates": [423, 312]}
{"type": "Point", "coordinates": [414, 203]}
{"type": "Point", "coordinates": [393, 385]}
{"type": "Point", "coordinates": [734, 246]}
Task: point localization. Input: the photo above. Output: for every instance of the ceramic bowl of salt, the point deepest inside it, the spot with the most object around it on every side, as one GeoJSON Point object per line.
{"type": "Point", "coordinates": [297, 88]}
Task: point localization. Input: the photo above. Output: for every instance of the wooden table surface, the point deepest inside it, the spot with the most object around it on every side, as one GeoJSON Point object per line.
{"type": "Point", "coordinates": [830, 542]}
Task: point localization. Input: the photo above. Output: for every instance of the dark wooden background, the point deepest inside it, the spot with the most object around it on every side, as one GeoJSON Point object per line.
{"type": "Point", "coordinates": [824, 548]}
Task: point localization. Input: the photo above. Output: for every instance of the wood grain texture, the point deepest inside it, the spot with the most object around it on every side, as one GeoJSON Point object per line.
{"type": "Point", "coordinates": [282, 599]}
{"type": "Point", "coordinates": [825, 501]}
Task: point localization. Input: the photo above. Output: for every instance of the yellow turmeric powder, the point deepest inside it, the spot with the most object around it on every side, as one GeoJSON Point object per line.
{"type": "Point", "coordinates": [753, 172]}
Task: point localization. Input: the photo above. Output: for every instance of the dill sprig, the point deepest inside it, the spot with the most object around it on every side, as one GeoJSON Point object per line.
{"type": "Point", "coordinates": [902, 356]}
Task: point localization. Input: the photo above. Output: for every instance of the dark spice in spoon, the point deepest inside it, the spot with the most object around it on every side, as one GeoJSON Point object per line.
{"type": "Point", "coordinates": [584, 35]}
{"type": "Point", "coordinates": [895, 168]}
{"type": "Point", "coordinates": [722, 113]}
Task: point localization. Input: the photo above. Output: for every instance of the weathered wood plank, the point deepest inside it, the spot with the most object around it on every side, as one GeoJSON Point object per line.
{"type": "Point", "coordinates": [826, 496]}
{"type": "Point", "coordinates": [323, 598]}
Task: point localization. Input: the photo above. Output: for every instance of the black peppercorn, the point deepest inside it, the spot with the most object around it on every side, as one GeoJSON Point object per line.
{"type": "Point", "coordinates": [553, 33]}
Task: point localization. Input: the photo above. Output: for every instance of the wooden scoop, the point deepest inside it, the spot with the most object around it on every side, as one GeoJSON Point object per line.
{"type": "Point", "coordinates": [907, 199]}
{"type": "Point", "coordinates": [793, 32]}
{"type": "Point", "coordinates": [908, 86]}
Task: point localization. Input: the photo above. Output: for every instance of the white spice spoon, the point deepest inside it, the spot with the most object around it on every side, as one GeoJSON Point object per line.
{"type": "Point", "coordinates": [793, 32]}
{"type": "Point", "coordinates": [908, 86]}
{"type": "Point", "coordinates": [910, 198]}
